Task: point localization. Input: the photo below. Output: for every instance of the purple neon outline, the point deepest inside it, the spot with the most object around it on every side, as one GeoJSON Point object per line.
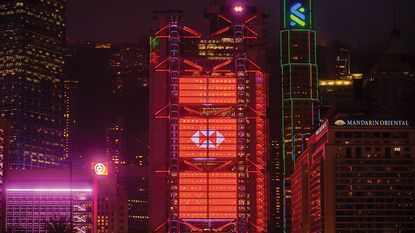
{"type": "Point", "coordinates": [47, 190]}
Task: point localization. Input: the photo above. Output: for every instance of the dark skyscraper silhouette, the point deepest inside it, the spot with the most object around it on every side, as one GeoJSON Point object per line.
{"type": "Point", "coordinates": [389, 87]}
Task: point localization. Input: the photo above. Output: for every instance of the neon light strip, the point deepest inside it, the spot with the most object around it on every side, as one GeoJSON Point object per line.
{"type": "Point", "coordinates": [250, 19]}
{"type": "Point", "coordinates": [195, 33]}
{"type": "Point", "coordinates": [163, 28]}
{"type": "Point", "coordinates": [310, 14]}
{"type": "Point", "coordinates": [224, 18]}
{"type": "Point", "coordinates": [300, 99]}
{"type": "Point", "coordinates": [297, 30]}
{"type": "Point", "coordinates": [297, 20]}
{"type": "Point", "coordinates": [285, 16]}
{"type": "Point", "coordinates": [207, 220]}
{"type": "Point", "coordinates": [299, 64]}
{"type": "Point", "coordinates": [49, 190]}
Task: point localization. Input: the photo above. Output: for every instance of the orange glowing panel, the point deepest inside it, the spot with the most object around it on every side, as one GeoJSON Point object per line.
{"type": "Point", "coordinates": [207, 90]}
{"type": "Point", "coordinates": [100, 168]}
{"type": "Point", "coordinates": [208, 196]}
{"type": "Point", "coordinates": [207, 138]}
{"type": "Point", "coordinates": [238, 9]}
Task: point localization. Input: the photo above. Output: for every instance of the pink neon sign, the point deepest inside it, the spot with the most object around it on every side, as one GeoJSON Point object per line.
{"type": "Point", "coordinates": [47, 190]}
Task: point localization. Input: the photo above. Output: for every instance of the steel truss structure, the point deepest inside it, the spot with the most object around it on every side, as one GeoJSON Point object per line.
{"type": "Point", "coordinates": [217, 131]}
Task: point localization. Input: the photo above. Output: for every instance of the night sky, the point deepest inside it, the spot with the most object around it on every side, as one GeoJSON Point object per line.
{"type": "Point", "coordinates": [365, 23]}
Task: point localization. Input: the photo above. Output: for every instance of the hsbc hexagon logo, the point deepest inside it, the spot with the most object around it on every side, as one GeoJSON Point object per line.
{"type": "Point", "coordinates": [207, 138]}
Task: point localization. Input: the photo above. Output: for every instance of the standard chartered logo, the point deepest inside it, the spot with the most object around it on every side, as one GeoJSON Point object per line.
{"type": "Point", "coordinates": [297, 15]}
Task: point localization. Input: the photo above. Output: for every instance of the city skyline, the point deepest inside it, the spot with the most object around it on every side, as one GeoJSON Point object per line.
{"type": "Point", "coordinates": [364, 53]}
{"type": "Point", "coordinates": [185, 116]}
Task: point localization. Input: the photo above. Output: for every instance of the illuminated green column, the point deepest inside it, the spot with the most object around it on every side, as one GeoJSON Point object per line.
{"type": "Point", "coordinates": [299, 75]}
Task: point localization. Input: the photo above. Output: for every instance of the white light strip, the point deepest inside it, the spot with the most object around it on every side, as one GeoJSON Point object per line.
{"type": "Point", "coordinates": [49, 190]}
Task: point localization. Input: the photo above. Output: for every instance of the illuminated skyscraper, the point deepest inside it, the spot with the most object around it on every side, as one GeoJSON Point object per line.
{"type": "Point", "coordinates": [31, 61]}
{"type": "Point", "coordinates": [299, 84]}
{"type": "Point", "coordinates": [70, 97]}
{"type": "Point", "coordinates": [208, 130]}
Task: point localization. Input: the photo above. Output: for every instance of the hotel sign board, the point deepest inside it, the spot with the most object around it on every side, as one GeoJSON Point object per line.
{"type": "Point", "coordinates": [372, 123]}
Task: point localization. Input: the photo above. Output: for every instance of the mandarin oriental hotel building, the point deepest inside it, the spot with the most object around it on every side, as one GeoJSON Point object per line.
{"type": "Point", "coordinates": [356, 176]}
{"type": "Point", "coordinates": [35, 198]}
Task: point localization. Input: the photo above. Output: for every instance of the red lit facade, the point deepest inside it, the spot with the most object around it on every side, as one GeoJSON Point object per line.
{"type": "Point", "coordinates": [208, 128]}
{"type": "Point", "coordinates": [207, 90]}
{"type": "Point", "coordinates": [206, 195]}
{"type": "Point", "coordinates": [208, 138]}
